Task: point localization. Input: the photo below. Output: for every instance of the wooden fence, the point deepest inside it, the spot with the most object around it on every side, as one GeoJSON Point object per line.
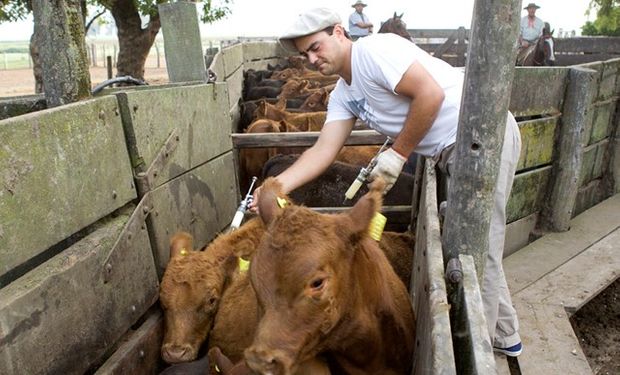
{"type": "Point", "coordinates": [92, 191]}
{"type": "Point", "coordinates": [451, 46]}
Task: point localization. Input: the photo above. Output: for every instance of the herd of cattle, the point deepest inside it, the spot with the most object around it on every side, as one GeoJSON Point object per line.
{"type": "Point", "coordinates": [294, 291]}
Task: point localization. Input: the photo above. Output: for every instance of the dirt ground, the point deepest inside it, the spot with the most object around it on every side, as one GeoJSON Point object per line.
{"type": "Point", "coordinates": [21, 81]}
{"type": "Point", "coordinates": [597, 326]}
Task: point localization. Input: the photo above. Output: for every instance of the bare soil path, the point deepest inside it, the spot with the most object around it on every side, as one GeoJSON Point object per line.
{"type": "Point", "coordinates": [21, 81]}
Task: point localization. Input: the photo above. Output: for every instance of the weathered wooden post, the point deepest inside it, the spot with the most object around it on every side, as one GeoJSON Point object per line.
{"type": "Point", "coordinates": [182, 44]}
{"type": "Point", "coordinates": [461, 48]}
{"type": "Point", "coordinates": [486, 93]}
{"type": "Point", "coordinates": [62, 49]}
{"type": "Point", "coordinates": [567, 165]}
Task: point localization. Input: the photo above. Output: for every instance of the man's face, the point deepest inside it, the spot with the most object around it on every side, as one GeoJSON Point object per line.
{"type": "Point", "coordinates": [322, 50]}
{"type": "Point", "coordinates": [359, 8]}
{"type": "Point", "coordinates": [531, 11]}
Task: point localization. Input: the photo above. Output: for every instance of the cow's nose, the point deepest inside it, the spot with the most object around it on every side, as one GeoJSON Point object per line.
{"type": "Point", "coordinates": [267, 362]}
{"type": "Point", "coordinates": [174, 353]}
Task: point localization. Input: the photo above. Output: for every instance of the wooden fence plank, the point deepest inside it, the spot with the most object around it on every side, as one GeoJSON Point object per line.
{"type": "Point", "coordinates": [602, 124]}
{"type": "Point", "coordinates": [537, 138]}
{"type": "Point", "coordinates": [20, 105]}
{"type": "Point", "coordinates": [217, 67]}
{"type": "Point", "coordinates": [62, 170]}
{"type": "Point", "coordinates": [433, 33]}
{"type": "Point", "coordinates": [588, 44]}
{"type": "Point", "coordinates": [182, 44]}
{"type": "Point", "coordinates": [580, 59]}
{"type": "Point", "coordinates": [260, 64]}
{"type": "Point", "coordinates": [235, 88]}
{"type": "Point", "coordinates": [253, 51]}
{"type": "Point", "coordinates": [593, 162]}
{"type": "Point", "coordinates": [203, 128]}
{"type": "Point", "coordinates": [434, 352]}
{"type": "Point", "coordinates": [201, 202]}
{"type": "Point", "coordinates": [538, 91]}
{"type": "Point", "coordinates": [588, 196]}
{"type": "Point", "coordinates": [64, 315]}
{"type": "Point", "coordinates": [301, 139]}
{"type": "Point", "coordinates": [140, 352]}
{"type": "Point", "coordinates": [528, 191]}
{"type": "Point", "coordinates": [233, 59]}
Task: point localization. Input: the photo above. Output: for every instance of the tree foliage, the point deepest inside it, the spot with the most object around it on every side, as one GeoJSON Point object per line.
{"type": "Point", "coordinates": [15, 10]}
{"type": "Point", "coordinates": [607, 20]}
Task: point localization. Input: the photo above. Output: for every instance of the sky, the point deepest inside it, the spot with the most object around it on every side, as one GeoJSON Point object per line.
{"type": "Point", "coordinates": [270, 17]}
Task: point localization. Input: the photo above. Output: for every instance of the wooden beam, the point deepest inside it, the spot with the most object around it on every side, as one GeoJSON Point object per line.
{"type": "Point", "coordinates": [302, 139]}
{"type": "Point", "coordinates": [432, 33]}
{"type": "Point", "coordinates": [179, 25]}
{"type": "Point", "coordinates": [444, 47]}
{"type": "Point", "coordinates": [566, 168]}
{"type": "Point", "coordinates": [482, 122]}
{"type": "Point", "coordinates": [588, 44]}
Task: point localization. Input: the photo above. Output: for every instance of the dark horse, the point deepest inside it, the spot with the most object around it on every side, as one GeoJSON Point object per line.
{"type": "Point", "coordinates": [396, 26]}
{"type": "Point", "coordinates": [540, 54]}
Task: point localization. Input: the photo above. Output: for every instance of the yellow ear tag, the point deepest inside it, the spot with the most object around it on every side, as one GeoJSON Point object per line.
{"type": "Point", "coordinates": [376, 226]}
{"type": "Point", "coordinates": [183, 252]}
{"type": "Point", "coordinates": [281, 202]}
{"type": "Point", "coordinates": [244, 265]}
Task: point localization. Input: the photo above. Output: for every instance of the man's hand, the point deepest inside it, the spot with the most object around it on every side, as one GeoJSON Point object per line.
{"type": "Point", "coordinates": [389, 165]}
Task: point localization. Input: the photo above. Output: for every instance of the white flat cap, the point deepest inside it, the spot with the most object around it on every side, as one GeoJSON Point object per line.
{"type": "Point", "coordinates": [307, 23]}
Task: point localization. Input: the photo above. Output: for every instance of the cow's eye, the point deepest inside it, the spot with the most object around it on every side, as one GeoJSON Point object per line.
{"type": "Point", "coordinates": [317, 284]}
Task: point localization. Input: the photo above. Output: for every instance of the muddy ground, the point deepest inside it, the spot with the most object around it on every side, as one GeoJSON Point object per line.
{"type": "Point", "coordinates": [597, 326]}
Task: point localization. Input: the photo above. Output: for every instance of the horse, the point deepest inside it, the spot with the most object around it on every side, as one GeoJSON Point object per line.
{"type": "Point", "coordinates": [396, 26]}
{"type": "Point", "coordinates": [541, 53]}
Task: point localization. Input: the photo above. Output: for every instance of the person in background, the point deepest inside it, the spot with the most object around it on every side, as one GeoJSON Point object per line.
{"type": "Point", "coordinates": [402, 92]}
{"type": "Point", "coordinates": [359, 24]}
{"type": "Point", "coordinates": [531, 27]}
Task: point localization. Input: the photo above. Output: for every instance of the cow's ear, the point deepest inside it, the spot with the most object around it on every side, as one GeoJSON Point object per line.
{"type": "Point", "coordinates": [364, 210]}
{"type": "Point", "coordinates": [270, 196]}
{"type": "Point", "coordinates": [180, 244]}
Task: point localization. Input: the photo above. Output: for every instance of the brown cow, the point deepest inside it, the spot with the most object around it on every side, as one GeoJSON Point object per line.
{"type": "Point", "coordinates": [325, 287]}
{"type": "Point", "coordinates": [197, 283]}
{"type": "Point", "coordinates": [316, 101]}
{"type": "Point", "coordinates": [315, 366]}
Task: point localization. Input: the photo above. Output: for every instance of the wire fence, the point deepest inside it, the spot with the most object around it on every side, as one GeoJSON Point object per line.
{"type": "Point", "coordinates": [15, 55]}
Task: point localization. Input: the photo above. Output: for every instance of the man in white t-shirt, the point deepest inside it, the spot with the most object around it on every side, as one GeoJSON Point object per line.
{"type": "Point", "coordinates": [400, 91]}
{"type": "Point", "coordinates": [359, 24]}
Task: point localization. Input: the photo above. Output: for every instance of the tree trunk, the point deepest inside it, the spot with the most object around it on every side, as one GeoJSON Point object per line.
{"type": "Point", "coordinates": [62, 49]}
{"type": "Point", "coordinates": [134, 41]}
{"type": "Point", "coordinates": [36, 62]}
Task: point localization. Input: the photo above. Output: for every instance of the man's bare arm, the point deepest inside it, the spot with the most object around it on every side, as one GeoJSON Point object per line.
{"type": "Point", "coordinates": [426, 97]}
{"type": "Point", "coordinates": [315, 160]}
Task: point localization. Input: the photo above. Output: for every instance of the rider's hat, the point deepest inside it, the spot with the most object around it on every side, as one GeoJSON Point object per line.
{"type": "Point", "coordinates": [531, 5]}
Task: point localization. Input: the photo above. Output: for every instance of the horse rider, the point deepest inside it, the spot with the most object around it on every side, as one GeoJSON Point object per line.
{"type": "Point", "coordinates": [359, 24]}
{"type": "Point", "coordinates": [403, 92]}
{"type": "Point", "coordinates": [531, 29]}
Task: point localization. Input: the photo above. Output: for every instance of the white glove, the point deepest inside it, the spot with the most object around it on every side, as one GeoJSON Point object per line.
{"type": "Point", "coordinates": [389, 165]}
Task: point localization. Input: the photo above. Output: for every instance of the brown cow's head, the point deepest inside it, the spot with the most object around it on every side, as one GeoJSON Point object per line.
{"type": "Point", "coordinates": [302, 276]}
{"type": "Point", "coordinates": [189, 295]}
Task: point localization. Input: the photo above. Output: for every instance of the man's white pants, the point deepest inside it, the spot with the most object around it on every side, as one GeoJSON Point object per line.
{"type": "Point", "coordinates": [501, 317]}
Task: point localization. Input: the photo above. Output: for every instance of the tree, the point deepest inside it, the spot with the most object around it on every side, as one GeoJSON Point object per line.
{"type": "Point", "coordinates": [135, 37]}
{"type": "Point", "coordinates": [65, 73]}
{"type": "Point", "coordinates": [135, 40]}
{"type": "Point", "coordinates": [607, 18]}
